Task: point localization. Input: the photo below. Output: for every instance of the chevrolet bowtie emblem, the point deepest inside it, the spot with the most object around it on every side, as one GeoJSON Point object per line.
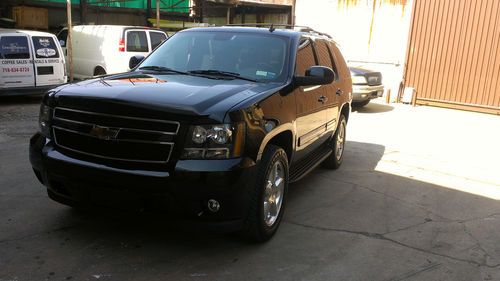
{"type": "Point", "coordinates": [104, 133]}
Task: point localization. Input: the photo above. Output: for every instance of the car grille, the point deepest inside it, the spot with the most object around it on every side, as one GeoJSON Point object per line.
{"type": "Point", "coordinates": [374, 79]}
{"type": "Point", "coordinates": [114, 137]}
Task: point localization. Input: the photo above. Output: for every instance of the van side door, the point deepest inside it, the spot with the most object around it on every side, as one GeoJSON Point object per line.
{"type": "Point", "coordinates": [16, 61]}
{"type": "Point", "coordinates": [49, 62]}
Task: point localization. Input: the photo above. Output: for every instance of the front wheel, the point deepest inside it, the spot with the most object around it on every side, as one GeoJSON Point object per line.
{"type": "Point", "coordinates": [268, 195]}
{"type": "Point", "coordinates": [337, 145]}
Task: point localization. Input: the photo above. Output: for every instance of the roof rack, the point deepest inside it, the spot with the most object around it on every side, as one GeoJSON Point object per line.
{"type": "Point", "coordinates": [300, 28]}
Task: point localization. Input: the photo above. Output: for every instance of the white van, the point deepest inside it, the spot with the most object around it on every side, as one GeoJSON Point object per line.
{"type": "Point", "coordinates": [106, 49]}
{"type": "Point", "coordinates": [31, 62]}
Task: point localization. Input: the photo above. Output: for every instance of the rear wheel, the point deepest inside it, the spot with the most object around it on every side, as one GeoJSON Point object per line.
{"type": "Point", "coordinates": [268, 195]}
{"type": "Point", "coordinates": [99, 71]}
{"type": "Point", "coordinates": [337, 144]}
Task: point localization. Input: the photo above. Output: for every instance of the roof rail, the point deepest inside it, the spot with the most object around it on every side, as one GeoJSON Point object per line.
{"type": "Point", "coordinates": [300, 28]}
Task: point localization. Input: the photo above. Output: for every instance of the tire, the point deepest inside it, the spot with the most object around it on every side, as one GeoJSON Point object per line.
{"type": "Point", "coordinates": [263, 222]}
{"type": "Point", "coordinates": [361, 103]}
{"type": "Point", "coordinates": [334, 161]}
{"type": "Point", "coordinates": [99, 71]}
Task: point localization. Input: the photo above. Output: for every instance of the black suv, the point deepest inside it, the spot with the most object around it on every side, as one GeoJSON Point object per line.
{"type": "Point", "coordinates": [213, 126]}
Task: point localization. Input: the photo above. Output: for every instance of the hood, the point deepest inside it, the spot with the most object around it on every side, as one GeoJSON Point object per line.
{"type": "Point", "coordinates": [360, 71]}
{"type": "Point", "coordinates": [137, 94]}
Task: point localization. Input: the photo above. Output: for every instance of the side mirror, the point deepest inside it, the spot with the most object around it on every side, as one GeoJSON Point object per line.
{"type": "Point", "coordinates": [134, 61]}
{"type": "Point", "coordinates": [316, 75]}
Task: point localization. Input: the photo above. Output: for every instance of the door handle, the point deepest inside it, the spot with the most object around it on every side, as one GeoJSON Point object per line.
{"type": "Point", "coordinates": [339, 92]}
{"type": "Point", "coordinates": [322, 99]}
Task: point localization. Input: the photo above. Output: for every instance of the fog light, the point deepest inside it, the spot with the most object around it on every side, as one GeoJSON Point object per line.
{"type": "Point", "coordinates": [213, 205]}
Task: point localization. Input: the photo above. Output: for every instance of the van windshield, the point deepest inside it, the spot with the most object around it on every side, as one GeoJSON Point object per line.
{"type": "Point", "coordinates": [254, 56]}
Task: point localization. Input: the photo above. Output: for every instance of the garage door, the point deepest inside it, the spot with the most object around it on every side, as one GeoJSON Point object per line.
{"type": "Point", "coordinates": [453, 56]}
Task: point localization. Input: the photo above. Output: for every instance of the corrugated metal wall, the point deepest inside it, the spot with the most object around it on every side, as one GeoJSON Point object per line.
{"type": "Point", "coordinates": [453, 57]}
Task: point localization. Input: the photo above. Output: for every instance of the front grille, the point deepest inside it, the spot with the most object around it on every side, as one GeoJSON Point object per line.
{"type": "Point", "coordinates": [374, 79]}
{"type": "Point", "coordinates": [114, 137]}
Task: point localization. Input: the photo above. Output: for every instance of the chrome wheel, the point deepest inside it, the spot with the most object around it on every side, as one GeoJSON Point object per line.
{"type": "Point", "coordinates": [273, 193]}
{"type": "Point", "coordinates": [339, 145]}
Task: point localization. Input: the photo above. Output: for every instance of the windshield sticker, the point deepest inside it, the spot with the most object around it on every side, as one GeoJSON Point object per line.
{"type": "Point", "coordinates": [14, 48]}
{"type": "Point", "coordinates": [265, 73]}
{"type": "Point", "coordinates": [44, 42]}
{"type": "Point", "coordinates": [46, 52]}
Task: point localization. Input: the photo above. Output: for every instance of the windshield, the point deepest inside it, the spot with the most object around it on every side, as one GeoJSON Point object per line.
{"type": "Point", "coordinates": [252, 56]}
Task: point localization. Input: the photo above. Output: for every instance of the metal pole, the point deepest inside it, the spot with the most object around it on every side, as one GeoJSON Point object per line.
{"type": "Point", "coordinates": [69, 45]}
{"type": "Point", "coordinates": [157, 13]}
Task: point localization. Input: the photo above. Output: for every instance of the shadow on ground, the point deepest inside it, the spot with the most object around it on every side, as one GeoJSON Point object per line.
{"type": "Point", "coordinates": [395, 227]}
{"type": "Point", "coordinates": [11, 100]}
{"type": "Point", "coordinates": [373, 107]}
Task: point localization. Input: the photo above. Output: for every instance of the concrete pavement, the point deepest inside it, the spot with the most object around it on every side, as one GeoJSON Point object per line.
{"type": "Point", "coordinates": [417, 198]}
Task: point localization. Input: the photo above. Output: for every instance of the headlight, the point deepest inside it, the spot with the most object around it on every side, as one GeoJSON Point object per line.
{"type": "Point", "coordinates": [45, 119]}
{"type": "Point", "coordinates": [358, 79]}
{"type": "Point", "coordinates": [220, 141]}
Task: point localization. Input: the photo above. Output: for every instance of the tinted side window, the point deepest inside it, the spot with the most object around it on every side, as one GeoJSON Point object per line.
{"type": "Point", "coordinates": [45, 47]}
{"type": "Point", "coordinates": [323, 54]}
{"type": "Point", "coordinates": [343, 70]}
{"type": "Point", "coordinates": [137, 41]}
{"type": "Point", "coordinates": [156, 39]}
{"type": "Point", "coordinates": [14, 47]}
{"type": "Point", "coordinates": [305, 57]}
{"type": "Point", "coordinates": [62, 37]}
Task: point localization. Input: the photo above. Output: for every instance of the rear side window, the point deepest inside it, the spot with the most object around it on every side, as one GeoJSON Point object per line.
{"type": "Point", "coordinates": [305, 57]}
{"type": "Point", "coordinates": [156, 39]}
{"type": "Point", "coordinates": [45, 47]}
{"type": "Point", "coordinates": [137, 41]}
{"type": "Point", "coordinates": [325, 55]}
{"type": "Point", "coordinates": [14, 47]}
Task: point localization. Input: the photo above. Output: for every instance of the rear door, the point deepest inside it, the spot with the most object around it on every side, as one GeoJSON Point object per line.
{"type": "Point", "coordinates": [137, 42]}
{"type": "Point", "coordinates": [333, 90]}
{"type": "Point", "coordinates": [156, 38]}
{"type": "Point", "coordinates": [16, 61]}
{"type": "Point", "coordinates": [49, 61]}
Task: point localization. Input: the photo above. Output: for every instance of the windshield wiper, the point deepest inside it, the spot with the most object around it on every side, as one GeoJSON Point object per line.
{"type": "Point", "coordinates": [162, 69]}
{"type": "Point", "coordinates": [213, 72]}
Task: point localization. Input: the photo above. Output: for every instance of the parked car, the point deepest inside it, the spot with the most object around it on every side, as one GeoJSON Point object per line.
{"type": "Point", "coordinates": [31, 62]}
{"type": "Point", "coordinates": [106, 49]}
{"type": "Point", "coordinates": [366, 85]}
{"type": "Point", "coordinates": [212, 126]}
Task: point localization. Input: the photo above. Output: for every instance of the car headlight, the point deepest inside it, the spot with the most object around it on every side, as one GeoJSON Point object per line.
{"type": "Point", "coordinates": [219, 141]}
{"type": "Point", "coordinates": [44, 120]}
{"type": "Point", "coordinates": [357, 79]}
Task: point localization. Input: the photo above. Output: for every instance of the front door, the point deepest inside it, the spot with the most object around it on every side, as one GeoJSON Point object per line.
{"type": "Point", "coordinates": [16, 62]}
{"type": "Point", "coordinates": [311, 114]}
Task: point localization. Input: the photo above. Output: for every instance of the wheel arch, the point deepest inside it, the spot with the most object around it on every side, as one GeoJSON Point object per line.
{"type": "Point", "coordinates": [282, 137]}
{"type": "Point", "coordinates": [97, 68]}
{"type": "Point", "coordinates": [346, 110]}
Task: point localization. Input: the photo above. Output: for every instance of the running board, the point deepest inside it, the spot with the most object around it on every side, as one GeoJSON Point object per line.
{"type": "Point", "coordinates": [306, 165]}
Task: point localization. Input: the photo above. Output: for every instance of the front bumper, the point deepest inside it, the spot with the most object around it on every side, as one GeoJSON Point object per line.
{"type": "Point", "coordinates": [183, 191]}
{"type": "Point", "coordinates": [366, 92]}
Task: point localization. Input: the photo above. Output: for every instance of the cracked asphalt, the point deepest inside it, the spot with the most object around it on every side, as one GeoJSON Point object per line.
{"type": "Point", "coordinates": [417, 198]}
